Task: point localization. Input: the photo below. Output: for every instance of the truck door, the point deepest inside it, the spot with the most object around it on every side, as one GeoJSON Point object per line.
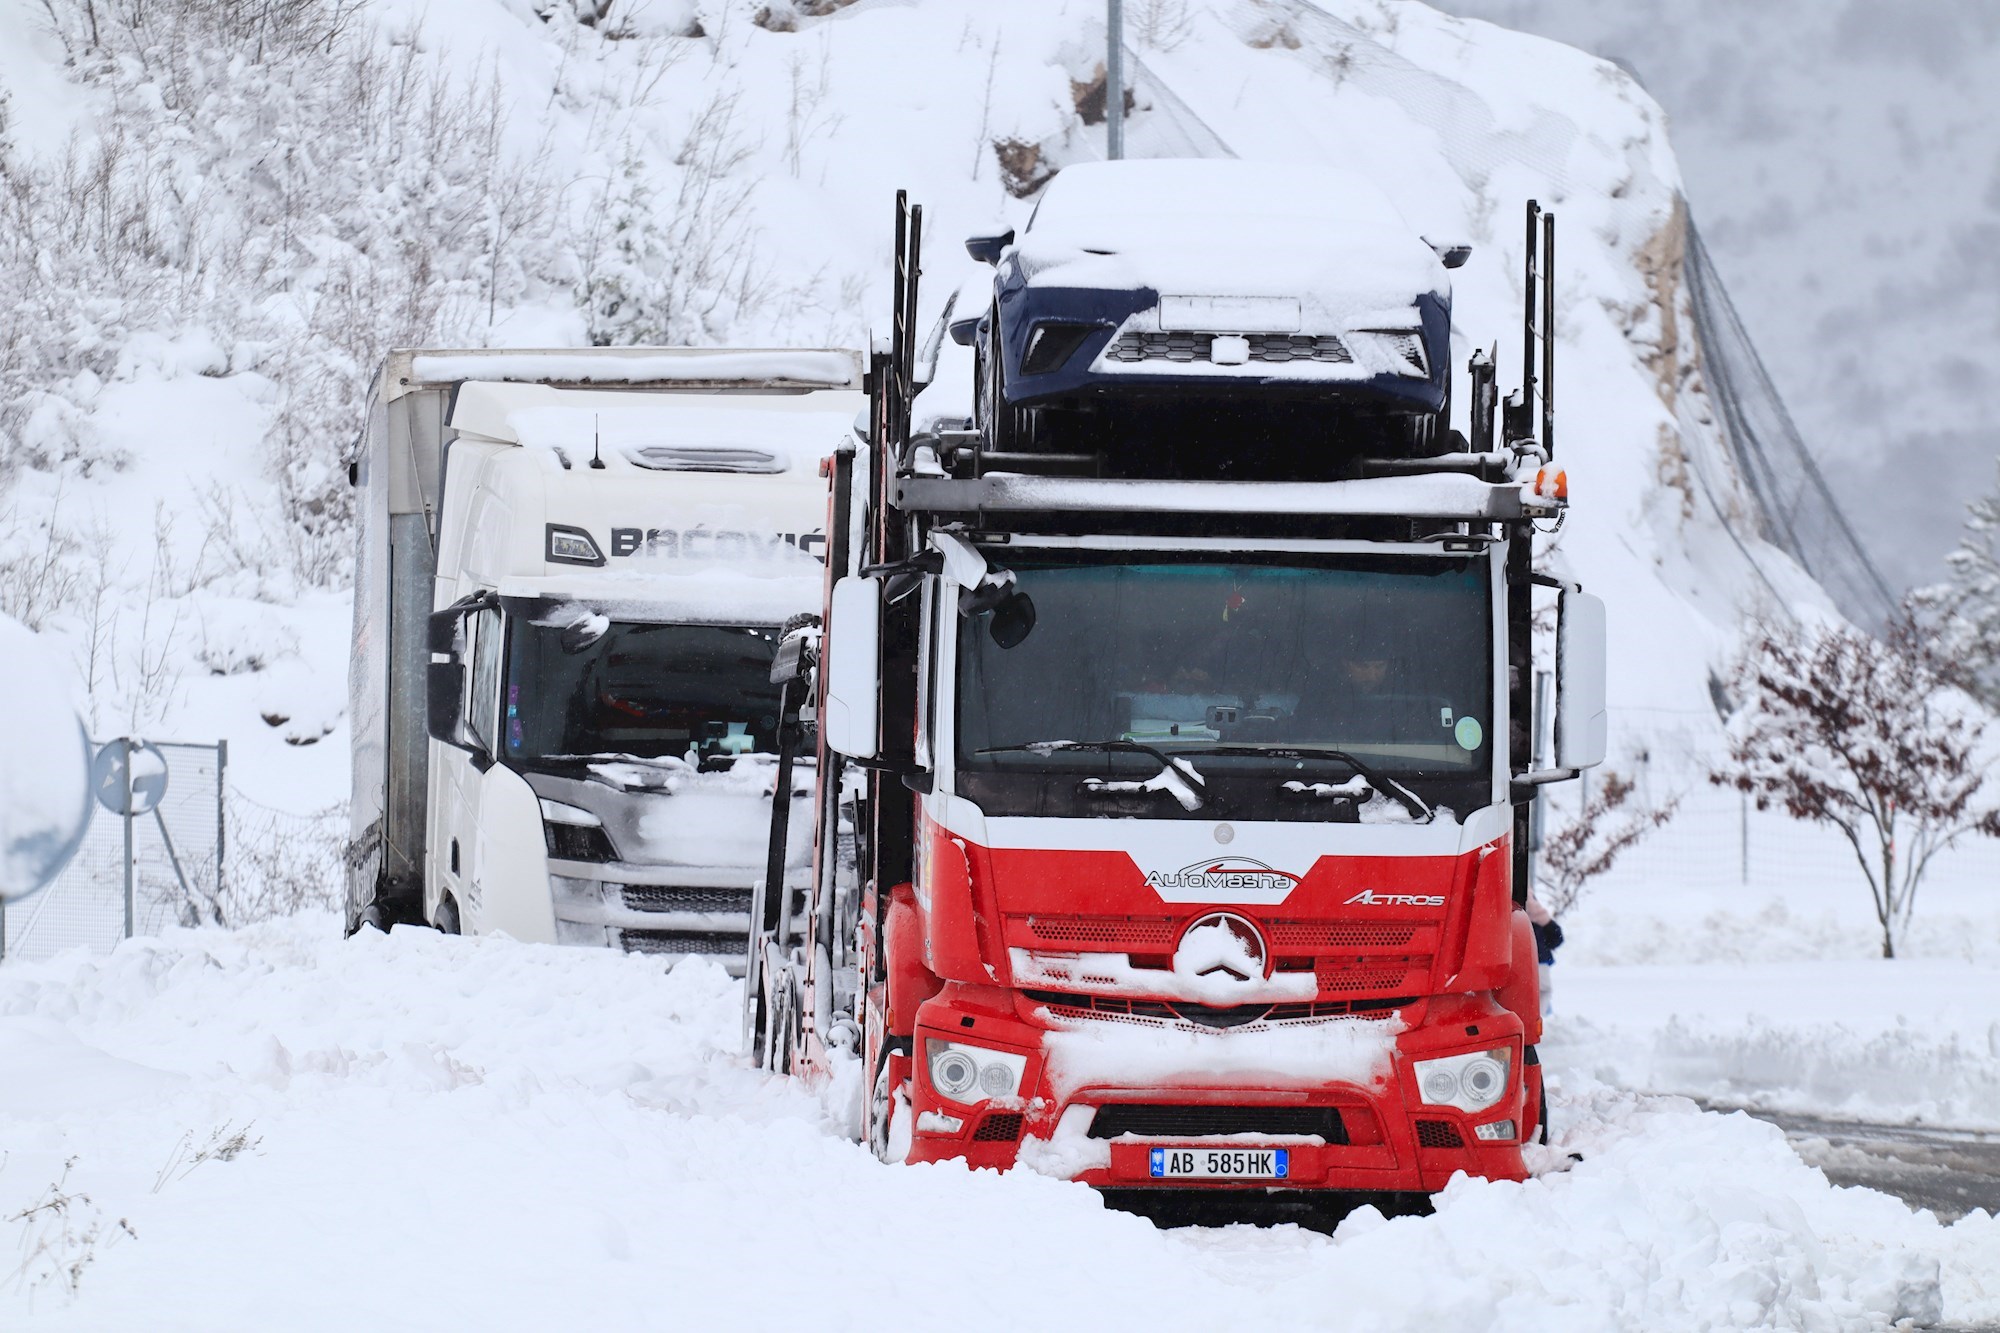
{"type": "Point", "coordinates": [454, 776]}
{"type": "Point", "coordinates": [486, 632]}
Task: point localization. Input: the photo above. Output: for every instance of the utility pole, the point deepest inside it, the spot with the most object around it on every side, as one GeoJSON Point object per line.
{"type": "Point", "coordinates": [1114, 79]}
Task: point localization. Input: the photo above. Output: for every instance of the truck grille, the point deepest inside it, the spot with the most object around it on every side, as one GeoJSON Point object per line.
{"type": "Point", "coordinates": [1347, 975]}
{"type": "Point", "coordinates": [1129, 934]}
{"type": "Point", "coordinates": [1341, 934]}
{"type": "Point", "coordinates": [1062, 1004]}
{"type": "Point", "coordinates": [674, 898]}
{"type": "Point", "coordinates": [1188, 348]}
{"type": "Point", "coordinates": [1000, 1127]}
{"type": "Point", "coordinates": [729, 950]}
{"type": "Point", "coordinates": [1148, 1120]}
{"type": "Point", "coordinates": [1438, 1134]}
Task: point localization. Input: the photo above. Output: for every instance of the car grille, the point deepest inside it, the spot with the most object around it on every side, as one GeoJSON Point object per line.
{"type": "Point", "coordinates": [1188, 348]}
{"type": "Point", "coordinates": [1152, 1121]}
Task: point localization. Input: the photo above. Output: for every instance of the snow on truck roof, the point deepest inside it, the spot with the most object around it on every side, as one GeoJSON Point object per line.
{"type": "Point", "coordinates": [658, 367]}
{"type": "Point", "coordinates": [629, 431]}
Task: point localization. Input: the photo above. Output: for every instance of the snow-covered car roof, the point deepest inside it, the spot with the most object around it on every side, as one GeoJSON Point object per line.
{"type": "Point", "coordinates": [1228, 227]}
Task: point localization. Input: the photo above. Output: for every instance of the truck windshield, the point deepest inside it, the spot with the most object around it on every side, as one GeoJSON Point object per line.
{"type": "Point", "coordinates": [1251, 666]}
{"type": "Point", "coordinates": [639, 689]}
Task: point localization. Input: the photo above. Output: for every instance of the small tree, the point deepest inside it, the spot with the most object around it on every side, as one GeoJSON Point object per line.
{"type": "Point", "coordinates": [1609, 824]}
{"type": "Point", "coordinates": [1842, 728]}
{"type": "Point", "coordinates": [1965, 608]}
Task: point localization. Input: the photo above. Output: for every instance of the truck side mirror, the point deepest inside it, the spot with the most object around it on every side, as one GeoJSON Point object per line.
{"type": "Point", "coordinates": [1582, 726]}
{"type": "Point", "coordinates": [986, 249]}
{"type": "Point", "coordinates": [965, 332]}
{"type": "Point", "coordinates": [851, 663]}
{"type": "Point", "coordinates": [443, 631]}
{"type": "Point", "coordinates": [444, 703]}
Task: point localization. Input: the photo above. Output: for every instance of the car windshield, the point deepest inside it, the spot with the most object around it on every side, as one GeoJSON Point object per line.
{"type": "Point", "coordinates": [639, 689]}
{"type": "Point", "coordinates": [1252, 660]}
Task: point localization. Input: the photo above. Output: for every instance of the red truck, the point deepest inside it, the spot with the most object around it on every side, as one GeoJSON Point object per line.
{"type": "Point", "coordinates": [1171, 828]}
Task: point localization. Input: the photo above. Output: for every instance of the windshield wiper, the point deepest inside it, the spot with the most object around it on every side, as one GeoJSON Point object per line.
{"type": "Point", "coordinates": [1409, 800]}
{"type": "Point", "coordinates": [1193, 781]}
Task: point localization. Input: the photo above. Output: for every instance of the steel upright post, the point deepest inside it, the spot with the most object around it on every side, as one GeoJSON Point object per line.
{"type": "Point", "coordinates": [125, 744]}
{"type": "Point", "coordinates": [1743, 837]}
{"type": "Point", "coordinates": [221, 820]}
{"type": "Point", "coordinates": [1114, 79]}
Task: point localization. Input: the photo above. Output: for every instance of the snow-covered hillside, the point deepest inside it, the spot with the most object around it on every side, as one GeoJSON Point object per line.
{"type": "Point", "coordinates": [1840, 160]}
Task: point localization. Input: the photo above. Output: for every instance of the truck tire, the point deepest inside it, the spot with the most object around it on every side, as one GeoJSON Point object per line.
{"type": "Point", "coordinates": [881, 1105]}
{"type": "Point", "coordinates": [446, 922]}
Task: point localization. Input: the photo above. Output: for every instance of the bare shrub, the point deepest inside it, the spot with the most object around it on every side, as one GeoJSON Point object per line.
{"type": "Point", "coordinates": [224, 1144]}
{"type": "Point", "coordinates": [1611, 822]}
{"type": "Point", "coordinates": [281, 864]}
{"type": "Point", "coordinates": [682, 272]}
{"type": "Point", "coordinates": [1162, 24]}
{"type": "Point", "coordinates": [61, 1233]}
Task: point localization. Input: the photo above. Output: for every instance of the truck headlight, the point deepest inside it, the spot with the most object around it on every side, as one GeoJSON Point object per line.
{"type": "Point", "coordinates": [974, 1073]}
{"type": "Point", "coordinates": [1471, 1082]}
{"type": "Point", "coordinates": [572, 833]}
{"type": "Point", "coordinates": [562, 812]}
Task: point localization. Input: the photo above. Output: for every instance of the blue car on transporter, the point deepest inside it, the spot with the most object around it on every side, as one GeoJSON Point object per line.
{"type": "Point", "coordinates": [1156, 286]}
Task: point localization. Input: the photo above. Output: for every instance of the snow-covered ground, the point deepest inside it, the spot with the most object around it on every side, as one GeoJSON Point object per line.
{"type": "Point", "coordinates": [1914, 1039]}
{"type": "Point", "coordinates": [276, 1128]}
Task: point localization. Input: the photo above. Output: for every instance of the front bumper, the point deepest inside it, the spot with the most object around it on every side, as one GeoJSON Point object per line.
{"type": "Point", "coordinates": [1356, 1130]}
{"type": "Point", "coordinates": [670, 911]}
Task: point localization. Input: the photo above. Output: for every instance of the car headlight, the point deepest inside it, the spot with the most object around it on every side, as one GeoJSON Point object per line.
{"type": "Point", "coordinates": [974, 1073]}
{"type": "Point", "coordinates": [1471, 1082]}
{"type": "Point", "coordinates": [1397, 350]}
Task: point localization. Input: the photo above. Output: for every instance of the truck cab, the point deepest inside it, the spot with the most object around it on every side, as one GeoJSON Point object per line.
{"type": "Point", "coordinates": [1191, 823]}
{"type": "Point", "coordinates": [614, 547]}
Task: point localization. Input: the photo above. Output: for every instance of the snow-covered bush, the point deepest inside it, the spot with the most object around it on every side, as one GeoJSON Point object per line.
{"type": "Point", "coordinates": [1839, 727]}
{"type": "Point", "coordinates": [1965, 609]}
{"type": "Point", "coordinates": [275, 171]}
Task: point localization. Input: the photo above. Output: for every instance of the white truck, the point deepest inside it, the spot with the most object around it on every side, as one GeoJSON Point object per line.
{"type": "Point", "coordinates": [574, 569]}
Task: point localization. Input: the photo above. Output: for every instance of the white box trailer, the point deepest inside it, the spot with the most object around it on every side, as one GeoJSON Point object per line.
{"type": "Point", "coordinates": [574, 568]}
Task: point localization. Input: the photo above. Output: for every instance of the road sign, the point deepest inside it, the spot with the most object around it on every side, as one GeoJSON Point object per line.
{"type": "Point", "coordinates": [134, 770]}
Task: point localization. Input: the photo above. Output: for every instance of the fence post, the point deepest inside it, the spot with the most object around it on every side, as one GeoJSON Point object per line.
{"type": "Point", "coordinates": [1114, 80]}
{"type": "Point", "coordinates": [126, 743]}
{"type": "Point", "coordinates": [221, 770]}
{"type": "Point", "coordinates": [1743, 824]}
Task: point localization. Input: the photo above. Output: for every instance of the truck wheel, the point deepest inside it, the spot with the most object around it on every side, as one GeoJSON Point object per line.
{"type": "Point", "coordinates": [880, 1112]}
{"type": "Point", "coordinates": [447, 916]}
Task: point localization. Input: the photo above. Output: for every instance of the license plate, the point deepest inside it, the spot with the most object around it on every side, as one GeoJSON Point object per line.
{"type": "Point", "coordinates": [1221, 1163]}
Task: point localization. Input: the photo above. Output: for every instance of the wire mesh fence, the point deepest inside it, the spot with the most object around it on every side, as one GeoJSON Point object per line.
{"type": "Point", "coordinates": [163, 866]}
